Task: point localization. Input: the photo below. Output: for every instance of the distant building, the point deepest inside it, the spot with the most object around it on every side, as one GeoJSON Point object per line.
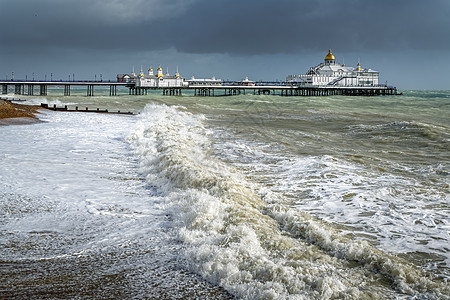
{"type": "Point", "coordinates": [246, 82]}
{"type": "Point", "coordinates": [333, 74]}
{"type": "Point", "coordinates": [159, 79]}
{"type": "Point", "coordinates": [204, 81]}
{"type": "Point", "coordinates": [129, 78]}
{"type": "Point", "coordinates": [152, 80]}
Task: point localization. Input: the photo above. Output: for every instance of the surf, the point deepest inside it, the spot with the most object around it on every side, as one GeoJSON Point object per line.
{"type": "Point", "coordinates": [246, 238]}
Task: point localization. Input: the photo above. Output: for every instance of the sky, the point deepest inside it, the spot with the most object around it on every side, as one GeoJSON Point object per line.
{"type": "Point", "coordinates": [407, 41]}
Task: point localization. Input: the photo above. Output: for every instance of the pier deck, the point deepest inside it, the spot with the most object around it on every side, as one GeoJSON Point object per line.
{"type": "Point", "coordinates": [228, 89]}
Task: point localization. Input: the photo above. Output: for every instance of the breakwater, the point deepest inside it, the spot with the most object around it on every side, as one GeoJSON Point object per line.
{"type": "Point", "coordinates": [97, 110]}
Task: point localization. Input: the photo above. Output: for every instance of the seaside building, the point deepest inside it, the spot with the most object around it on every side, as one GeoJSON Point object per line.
{"type": "Point", "coordinates": [204, 81]}
{"type": "Point", "coordinates": [159, 79]}
{"type": "Point", "coordinates": [152, 80]}
{"type": "Point", "coordinates": [330, 73]}
{"type": "Point", "coordinates": [246, 82]}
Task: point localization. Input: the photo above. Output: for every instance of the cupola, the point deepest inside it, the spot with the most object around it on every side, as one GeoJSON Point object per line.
{"type": "Point", "coordinates": [159, 72]}
{"type": "Point", "coordinates": [329, 58]}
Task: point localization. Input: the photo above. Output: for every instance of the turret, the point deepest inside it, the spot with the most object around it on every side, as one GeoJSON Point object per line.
{"type": "Point", "coordinates": [329, 59]}
{"type": "Point", "coordinates": [159, 72]}
{"type": "Point", "coordinates": [150, 71]}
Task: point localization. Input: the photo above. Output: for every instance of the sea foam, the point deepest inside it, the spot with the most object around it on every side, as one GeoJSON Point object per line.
{"type": "Point", "coordinates": [234, 238]}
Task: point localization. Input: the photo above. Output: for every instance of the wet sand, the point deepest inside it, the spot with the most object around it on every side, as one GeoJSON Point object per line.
{"type": "Point", "coordinates": [13, 113]}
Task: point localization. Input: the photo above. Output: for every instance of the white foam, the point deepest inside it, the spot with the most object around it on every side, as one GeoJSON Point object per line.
{"type": "Point", "coordinates": [71, 176]}
{"type": "Point", "coordinates": [235, 239]}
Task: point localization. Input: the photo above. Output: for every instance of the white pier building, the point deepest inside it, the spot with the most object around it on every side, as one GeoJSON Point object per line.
{"type": "Point", "coordinates": [159, 80]}
{"type": "Point", "coordinates": [330, 73]}
{"type": "Point", "coordinates": [204, 81]}
{"type": "Point", "coordinates": [151, 80]}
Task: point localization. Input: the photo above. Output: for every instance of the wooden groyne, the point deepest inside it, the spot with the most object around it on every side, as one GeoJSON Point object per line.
{"type": "Point", "coordinates": [65, 108]}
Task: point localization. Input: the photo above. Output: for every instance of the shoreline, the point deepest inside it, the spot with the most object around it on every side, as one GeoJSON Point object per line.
{"type": "Point", "coordinates": [14, 114]}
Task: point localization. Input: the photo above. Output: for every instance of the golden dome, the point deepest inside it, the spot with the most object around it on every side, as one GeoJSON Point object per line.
{"type": "Point", "coordinates": [329, 56]}
{"type": "Point", "coordinates": [159, 69]}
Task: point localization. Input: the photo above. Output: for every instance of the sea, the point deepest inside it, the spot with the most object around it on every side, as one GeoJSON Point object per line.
{"type": "Point", "coordinates": [227, 197]}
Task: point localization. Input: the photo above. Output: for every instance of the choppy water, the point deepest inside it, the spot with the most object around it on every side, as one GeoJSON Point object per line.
{"type": "Point", "coordinates": [253, 197]}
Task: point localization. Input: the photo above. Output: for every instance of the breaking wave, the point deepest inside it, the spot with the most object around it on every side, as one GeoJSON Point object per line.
{"type": "Point", "coordinates": [249, 240]}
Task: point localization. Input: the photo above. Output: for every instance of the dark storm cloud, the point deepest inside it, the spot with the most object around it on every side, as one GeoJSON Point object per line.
{"type": "Point", "coordinates": [234, 27]}
{"type": "Point", "coordinates": [259, 27]}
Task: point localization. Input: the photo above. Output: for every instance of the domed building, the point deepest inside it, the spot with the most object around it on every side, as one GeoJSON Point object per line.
{"type": "Point", "coordinates": [151, 80]}
{"type": "Point", "coordinates": [330, 73]}
{"type": "Point", "coordinates": [158, 80]}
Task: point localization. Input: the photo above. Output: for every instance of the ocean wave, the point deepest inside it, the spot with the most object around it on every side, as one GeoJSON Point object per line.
{"type": "Point", "coordinates": [244, 238]}
{"type": "Point", "coordinates": [405, 128]}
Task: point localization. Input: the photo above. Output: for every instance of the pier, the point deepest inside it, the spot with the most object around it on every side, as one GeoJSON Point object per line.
{"type": "Point", "coordinates": [280, 90]}
{"type": "Point", "coordinates": [29, 87]}
{"type": "Point", "coordinates": [292, 90]}
{"type": "Point", "coordinates": [226, 89]}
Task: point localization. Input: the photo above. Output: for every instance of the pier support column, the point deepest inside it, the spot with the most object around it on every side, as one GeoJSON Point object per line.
{"type": "Point", "coordinates": [66, 90]}
{"type": "Point", "coordinates": [113, 90]}
{"type": "Point", "coordinates": [30, 89]}
{"type": "Point", "coordinates": [43, 90]}
{"type": "Point", "coordinates": [18, 89]}
{"type": "Point", "coordinates": [90, 90]}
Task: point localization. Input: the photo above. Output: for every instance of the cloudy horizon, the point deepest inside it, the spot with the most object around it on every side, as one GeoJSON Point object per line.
{"type": "Point", "coordinates": [405, 40]}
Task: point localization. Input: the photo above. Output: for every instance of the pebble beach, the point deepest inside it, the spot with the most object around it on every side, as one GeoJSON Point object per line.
{"type": "Point", "coordinates": [13, 113]}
